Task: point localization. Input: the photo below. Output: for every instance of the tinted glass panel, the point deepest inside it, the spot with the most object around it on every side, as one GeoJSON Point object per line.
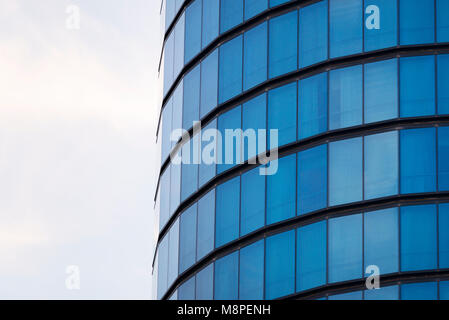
{"type": "Point", "coordinates": [179, 46]}
{"type": "Point", "coordinates": [419, 291]}
{"type": "Point", "coordinates": [254, 118]}
{"type": "Point", "coordinates": [255, 56]}
{"type": "Point", "coordinates": [282, 112]}
{"type": "Point", "coordinates": [442, 21]}
{"type": "Point", "coordinates": [254, 7]}
{"type": "Point", "coordinates": [230, 69]}
{"type": "Point", "coordinates": [205, 283]}
{"type": "Point", "coordinates": [443, 83]}
{"type": "Point", "coordinates": [187, 236]}
{"type": "Point", "coordinates": [444, 290]}
{"type": "Point", "coordinates": [253, 201]}
{"type": "Point", "coordinates": [231, 139]}
{"type": "Point", "coordinates": [413, 30]}
{"type": "Point", "coordinates": [209, 83]}
{"type": "Point", "coordinates": [206, 221]}
{"type": "Point", "coordinates": [346, 33]}
{"type": "Point", "coordinates": [189, 170]}
{"type": "Point", "coordinates": [380, 24]}
{"type": "Point", "coordinates": [357, 295]}
{"type": "Point", "coordinates": [231, 14]}
{"type": "Point", "coordinates": [252, 271]}
{"type": "Point", "coordinates": [228, 212]}
{"type": "Point", "coordinates": [211, 11]}
{"type": "Point", "coordinates": [443, 158]}
{"type": "Point", "coordinates": [384, 293]}
{"type": "Point", "coordinates": [193, 30]}
{"type": "Point", "coordinates": [173, 251]}
{"type": "Point", "coordinates": [191, 98]}
{"type": "Point", "coordinates": [443, 225]}
{"type": "Point", "coordinates": [227, 277]}
{"type": "Point", "coordinates": [209, 158]}
{"type": "Point", "coordinates": [186, 291]}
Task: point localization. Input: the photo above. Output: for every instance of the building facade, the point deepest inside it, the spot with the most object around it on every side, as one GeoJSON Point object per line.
{"type": "Point", "coordinates": [357, 92]}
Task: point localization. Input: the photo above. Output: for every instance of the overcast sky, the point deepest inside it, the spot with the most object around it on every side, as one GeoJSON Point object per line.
{"type": "Point", "coordinates": [78, 160]}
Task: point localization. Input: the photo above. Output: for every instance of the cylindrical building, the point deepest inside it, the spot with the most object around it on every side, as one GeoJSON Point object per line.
{"type": "Point", "coordinates": [352, 99]}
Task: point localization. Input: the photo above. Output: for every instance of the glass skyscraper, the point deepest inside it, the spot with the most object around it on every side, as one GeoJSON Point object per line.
{"type": "Point", "coordinates": [358, 91]}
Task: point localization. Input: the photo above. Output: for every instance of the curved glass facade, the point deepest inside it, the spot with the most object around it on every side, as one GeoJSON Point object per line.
{"type": "Point", "coordinates": [355, 95]}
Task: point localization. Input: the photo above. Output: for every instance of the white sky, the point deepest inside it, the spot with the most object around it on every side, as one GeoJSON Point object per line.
{"type": "Point", "coordinates": [78, 160]}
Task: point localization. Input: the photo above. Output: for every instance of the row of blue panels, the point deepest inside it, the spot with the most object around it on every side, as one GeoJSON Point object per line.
{"type": "Point", "coordinates": [338, 99]}
{"type": "Point", "coordinates": [300, 38]}
{"type": "Point", "coordinates": [405, 239]}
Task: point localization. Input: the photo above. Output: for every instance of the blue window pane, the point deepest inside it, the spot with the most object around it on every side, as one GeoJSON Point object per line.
{"type": "Point", "coordinates": [173, 251]}
{"type": "Point", "coordinates": [179, 46]}
{"type": "Point", "coordinates": [254, 7]}
{"type": "Point", "coordinates": [345, 248]}
{"type": "Point", "coordinates": [253, 201]}
{"type": "Point", "coordinates": [168, 62]}
{"type": "Point", "coordinates": [274, 3]}
{"type": "Point", "coordinates": [178, 97]}
{"type": "Point", "coordinates": [443, 83]}
{"type": "Point", "coordinates": [205, 283]}
{"type": "Point", "coordinates": [164, 194]}
{"type": "Point", "coordinates": [357, 295]}
{"type": "Point", "coordinates": [230, 75]}
{"type": "Point", "coordinates": [413, 30]}
{"type": "Point", "coordinates": [345, 97]}
{"type": "Point", "coordinates": [175, 187]}
{"type": "Point", "coordinates": [280, 265]}
{"type": "Point", "coordinates": [345, 171]}
{"type": "Point", "coordinates": [381, 90]}
{"type": "Point", "coordinates": [346, 33]}
{"type": "Point", "coordinates": [178, 4]}
{"type": "Point", "coordinates": [313, 34]}
{"type": "Point", "coordinates": [255, 56]}
{"type": "Point", "coordinates": [382, 240]}
{"type": "Point", "coordinates": [282, 112]}
{"type": "Point", "coordinates": [207, 167]}
{"type": "Point", "coordinates": [283, 37]}
{"type": "Point", "coordinates": [418, 252]}
{"type": "Point", "coordinates": [381, 25]}
{"type": "Point", "coordinates": [419, 291]}
{"type": "Point", "coordinates": [229, 125]}
{"type": "Point", "coordinates": [384, 293]}
{"type": "Point", "coordinates": [227, 212]}
{"type": "Point", "coordinates": [312, 179]}
{"type": "Point", "coordinates": [162, 268]}
{"type": "Point", "coordinates": [311, 255]}
{"type": "Point", "coordinates": [281, 189]}
{"type": "Point", "coordinates": [170, 12]}
{"type": "Point", "coordinates": [166, 130]}
{"type": "Point", "coordinates": [252, 271]}
{"type": "Point", "coordinates": [189, 170]}
{"type": "Point", "coordinates": [191, 98]}
{"type": "Point", "coordinates": [418, 160]}
{"type": "Point", "coordinates": [211, 12]}
{"type": "Point", "coordinates": [193, 30]}
{"type": "Point", "coordinates": [312, 113]}
{"type": "Point", "coordinates": [186, 291]}
{"type": "Point", "coordinates": [444, 290]}
{"type": "Point", "coordinates": [227, 277]}
{"type": "Point", "coordinates": [206, 221]}
{"type": "Point", "coordinates": [187, 238]}
{"type": "Point", "coordinates": [443, 225]}
{"type": "Point", "coordinates": [442, 21]}
{"type": "Point", "coordinates": [231, 14]}
{"type": "Point", "coordinates": [417, 86]}
{"type": "Point", "coordinates": [254, 118]}
{"type": "Point", "coordinates": [443, 159]}
{"type": "Point", "coordinates": [209, 83]}
{"type": "Point", "coordinates": [381, 165]}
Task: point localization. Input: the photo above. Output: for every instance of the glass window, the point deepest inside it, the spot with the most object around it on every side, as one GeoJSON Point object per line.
{"type": "Point", "coordinates": [164, 196]}
{"type": "Point", "coordinates": [229, 124]}
{"type": "Point", "coordinates": [211, 12]}
{"type": "Point", "coordinates": [381, 25]}
{"type": "Point", "coordinates": [281, 189]}
{"type": "Point", "coordinates": [191, 98]}
{"type": "Point", "coordinates": [252, 271]}
{"type": "Point", "coordinates": [381, 90]}
{"type": "Point", "coordinates": [382, 240]}
{"type": "Point", "coordinates": [381, 165]}
{"type": "Point", "coordinates": [384, 293]}
{"type": "Point", "coordinates": [444, 290]}
{"type": "Point", "coordinates": [230, 75]}
{"type": "Point", "coordinates": [178, 4]}
{"type": "Point", "coordinates": [443, 159]}
{"type": "Point", "coordinates": [442, 21]}
{"type": "Point", "coordinates": [283, 56]}
{"type": "Point", "coordinates": [413, 30]}
{"type": "Point", "coordinates": [345, 171]}
{"type": "Point", "coordinates": [253, 201]}
{"type": "Point", "coordinates": [274, 3]}
{"type": "Point", "coordinates": [443, 225]}
{"type": "Point", "coordinates": [209, 83]}
{"type": "Point", "coordinates": [254, 118]}
{"type": "Point", "coordinates": [173, 251]}
{"type": "Point", "coordinates": [187, 238]}
{"type": "Point", "coordinates": [169, 12]}
{"type": "Point", "coordinates": [193, 30]}
{"type": "Point", "coordinates": [166, 129]}
{"type": "Point", "coordinates": [345, 97]}
{"type": "Point", "coordinates": [418, 163]}
{"type": "Point", "coordinates": [345, 248]}
{"type": "Point", "coordinates": [168, 62]}
{"type": "Point", "coordinates": [356, 295]}
{"type": "Point", "coordinates": [417, 86]}
{"type": "Point", "coordinates": [255, 56]}
{"type": "Point", "coordinates": [280, 265]}
{"type": "Point", "coordinates": [186, 291]}
{"type": "Point", "coordinates": [178, 96]}
{"type": "Point", "coordinates": [162, 268]}
{"type": "Point", "coordinates": [443, 83]}
{"type": "Point", "coordinates": [419, 291]}
{"type": "Point", "coordinates": [227, 212]}
{"type": "Point", "coordinates": [346, 31]}
{"type": "Point", "coordinates": [313, 33]}
{"type": "Point", "coordinates": [312, 113]}
{"type": "Point", "coordinates": [418, 252]}
{"type": "Point", "coordinates": [205, 283]}
{"type": "Point", "coordinates": [175, 187]}
{"type": "Point", "coordinates": [254, 7]}
{"type": "Point", "coordinates": [231, 14]}
{"type": "Point", "coordinates": [206, 225]}
{"type": "Point", "coordinates": [312, 179]}
{"type": "Point", "coordinates": [179, 46]}
{"type": "Point", "coordinates": [189, 169]}
{"type": "Point", "coordinates": [311, 256]}
{"type": "Point", "coordinates": [227, 277]}
{"type": "Point", "coordinates": [207, 167]}
{"type": "Point", "coordinates": [282, 112]}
